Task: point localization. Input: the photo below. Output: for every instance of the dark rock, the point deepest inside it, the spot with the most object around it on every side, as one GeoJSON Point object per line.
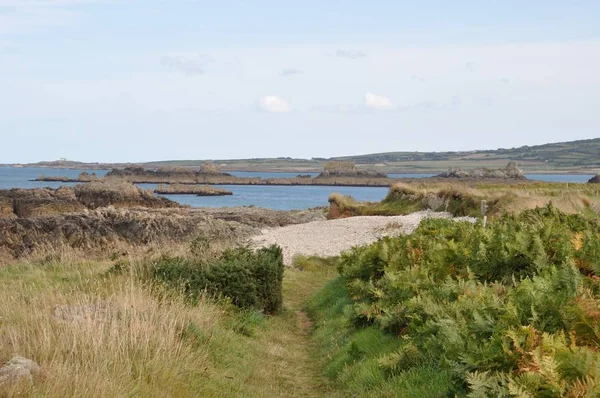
{"type": "Point", "coordinates": [595, 179]}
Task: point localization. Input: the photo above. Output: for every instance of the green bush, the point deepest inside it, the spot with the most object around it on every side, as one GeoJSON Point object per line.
{"type": "Point", "coordinates": [251, 279]}
{"type": "Point", "coordinates": [508, 310]}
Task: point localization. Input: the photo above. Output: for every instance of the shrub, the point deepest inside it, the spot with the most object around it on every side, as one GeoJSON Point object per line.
{"type": "Point", "coordinates": [508, 309]}
{"type": "Point", "coordinates": [249, 279]}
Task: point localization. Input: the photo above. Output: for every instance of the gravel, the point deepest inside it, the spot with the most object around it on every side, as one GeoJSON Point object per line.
{"type": "Point", "coordinates": [332, 237]}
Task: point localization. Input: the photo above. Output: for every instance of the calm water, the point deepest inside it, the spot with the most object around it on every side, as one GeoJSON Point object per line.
{"type": "Point", "coordinates": [275, 197]}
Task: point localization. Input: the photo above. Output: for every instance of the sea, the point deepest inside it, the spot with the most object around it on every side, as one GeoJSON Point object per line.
{"type": "Point", "coordinates": [274, 197]}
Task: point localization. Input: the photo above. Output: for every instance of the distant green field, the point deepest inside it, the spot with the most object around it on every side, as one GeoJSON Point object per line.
{"type": "Point", "coordinates": [581, 156]}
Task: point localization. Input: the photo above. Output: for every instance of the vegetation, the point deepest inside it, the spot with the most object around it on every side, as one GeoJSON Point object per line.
{"type": "Point", "coordinates": [455, 308]}
{"type": "Point", "coordinates": [348, 169]}
{"type": "Point", "coordinates": [556, 156]}
{"type": "Point", "coordinates": [574, 156]}
{"type": "Point", "coordinates": [96, 332]}
{"type": "Point", "coordinates": [249, 279]}
{"type": "Point", "coordinates": [465, 199]}
{"type": "Point", "coordinates": [182, 189]}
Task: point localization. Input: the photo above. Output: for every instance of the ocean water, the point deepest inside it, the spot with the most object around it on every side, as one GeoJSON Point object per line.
{"type": "Point", "coordinates": [11, 177]}
{"type": "Point", "coordinates": [275, 197]}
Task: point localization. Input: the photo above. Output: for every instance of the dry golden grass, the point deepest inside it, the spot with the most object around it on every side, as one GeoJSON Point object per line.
{"type": "Point", "coordinates": [97, 334]}
{"type": "Point", "coordinates": [501, 198]}
{"type": "Point", "coordinates": [125, 340]}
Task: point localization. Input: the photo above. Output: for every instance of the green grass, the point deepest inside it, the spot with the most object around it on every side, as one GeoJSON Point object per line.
{"type": "Point", "coordinates": [352, 353]}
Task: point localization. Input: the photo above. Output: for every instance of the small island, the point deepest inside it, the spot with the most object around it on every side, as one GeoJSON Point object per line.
{"type": "Point", "coordinates": [510, 172]}
{"type": "Point", "coordinates": [198, 190]}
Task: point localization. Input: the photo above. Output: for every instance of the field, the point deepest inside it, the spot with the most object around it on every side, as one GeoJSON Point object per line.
{"type": "Point", "coordinates": [581, 157]}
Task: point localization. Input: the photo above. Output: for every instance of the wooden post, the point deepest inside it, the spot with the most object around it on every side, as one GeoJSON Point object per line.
{"type": "Point", "coordinates": [484, 212]}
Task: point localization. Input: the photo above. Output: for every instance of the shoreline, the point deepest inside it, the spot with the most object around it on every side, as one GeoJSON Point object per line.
{"type": "Point", "coordinates": [336, 183]}
{"type": "Point", "coordinates": [288, 170]}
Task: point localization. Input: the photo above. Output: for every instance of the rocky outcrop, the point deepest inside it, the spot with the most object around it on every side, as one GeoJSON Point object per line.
{"type": "Point", "coordinates": [595, 179]}
{"type": "Point", "coordinates": [109, 228]}
{"type": "Point", "coordinates": [198, 190]}
{"type": "Point", "coordinates": [511, 171]}
{"type": "Point", "coordinates": [39, 202]}
{"type": "Point", "coordinates": [17, 369]}
{"type": "Point", "coordinates": [335, 174]}
{"type": "Point", "coordinates": [87, 177]}
{"type": "Point", "coordinates": [211, 169]}
{"type": "Point", "coordinates": [119, 194]}
{"type": "Point", "coordinates": [260, 217]}
{"type": "Point", "coordinates": [207, 173]}
{"type": "Point", "coordinates": [348, 169]}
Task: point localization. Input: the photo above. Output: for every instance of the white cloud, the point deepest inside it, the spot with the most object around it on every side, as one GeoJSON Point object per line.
{"type": "Point", "coordinates": [274, 104]}
{"type": "Point", "coordinates": [379, 103]}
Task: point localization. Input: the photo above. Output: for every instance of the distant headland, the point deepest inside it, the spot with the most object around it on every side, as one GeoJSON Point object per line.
{"type": "Point", "coordinates": [575, 157]}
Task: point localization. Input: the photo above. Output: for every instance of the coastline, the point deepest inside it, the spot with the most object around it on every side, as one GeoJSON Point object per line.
{"type": "Point", "coordinates": [316, 169]}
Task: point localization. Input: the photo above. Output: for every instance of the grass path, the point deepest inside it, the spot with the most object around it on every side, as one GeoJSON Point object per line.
{"type": "Point", "coordinates": [284, 363]}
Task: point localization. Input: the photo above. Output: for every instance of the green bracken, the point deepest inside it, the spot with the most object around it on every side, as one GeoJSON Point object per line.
{"type": "Point", "coordinates": [507, 310]}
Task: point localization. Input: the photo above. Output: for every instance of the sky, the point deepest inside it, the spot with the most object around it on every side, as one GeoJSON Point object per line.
{"type": "Point", "coordinates": [141, 80]}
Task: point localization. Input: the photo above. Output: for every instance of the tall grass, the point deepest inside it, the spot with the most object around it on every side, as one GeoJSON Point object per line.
{"type": "Point", "coordinates": [464, 199]}
{"type": "Point", "coordinates": [99, 333]}
{"type": "Point", "coordinates": [125, 339]}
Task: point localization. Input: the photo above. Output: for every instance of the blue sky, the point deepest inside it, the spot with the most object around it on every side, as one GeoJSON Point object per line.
{"type": "Point", "coordinates": [130, 80]}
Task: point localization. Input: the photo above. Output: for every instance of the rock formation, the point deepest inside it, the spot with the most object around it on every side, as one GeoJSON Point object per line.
{"type": "Point", "coordinates": [511, 171]}
{"type": "Point", "coordinates": [46, 201]}
{"type": "Point", "coordinates": [199, 190]}
{"type": "Point", "coordinates": [119, 194]}
{"type": "Point", "coordinates": [348, 169]}
{"type": "Point", "coordinates": [595, 179]}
